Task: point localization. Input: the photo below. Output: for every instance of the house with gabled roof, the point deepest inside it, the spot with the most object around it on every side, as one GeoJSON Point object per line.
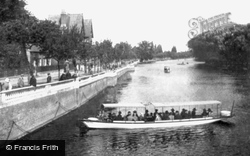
{"type": "Point", "coordinates": [67, 21]}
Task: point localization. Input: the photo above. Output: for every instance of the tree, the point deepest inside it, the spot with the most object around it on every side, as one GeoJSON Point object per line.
{"type": "Point", "coordinates": [174, 50]}
{"type": "Point", "coordinates": [11, 10]}
{"type": "Point", "coordinates": [145, 50]}
{"type": "Point", "coordinates": [57, 43]}
{"type": "Point", "coordinates": [158, 49]}
{"type": "Point", "coordinates": [106, 52]}
{"type": "Point", "coordinates": [20, 31]}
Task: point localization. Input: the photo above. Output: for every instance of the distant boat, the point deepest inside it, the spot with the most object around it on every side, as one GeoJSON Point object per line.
{"type": "Point", "coordinates": [166, 69]}
{"type": "Point", "coordinates": [181, 63]}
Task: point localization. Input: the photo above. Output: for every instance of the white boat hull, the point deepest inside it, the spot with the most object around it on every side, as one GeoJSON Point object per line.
{"type": "Point", "coordinates": [157, 124]}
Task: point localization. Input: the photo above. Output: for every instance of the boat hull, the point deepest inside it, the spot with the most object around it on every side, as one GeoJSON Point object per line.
{"type": "Point", "coordinates": [141, 124]}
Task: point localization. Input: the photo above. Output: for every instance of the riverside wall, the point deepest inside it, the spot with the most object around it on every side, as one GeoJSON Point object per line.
{"type": "Point", "coordinates": [24, 110]}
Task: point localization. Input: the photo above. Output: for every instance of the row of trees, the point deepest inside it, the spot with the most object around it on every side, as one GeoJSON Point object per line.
{"type": "Point", "coordinates": [19, 31]}
{"type": "Point", "coordinates": [229, 46]}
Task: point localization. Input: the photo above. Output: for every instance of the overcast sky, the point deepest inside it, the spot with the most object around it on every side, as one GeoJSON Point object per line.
{"type": "Point", "coordinates": [164, 22]}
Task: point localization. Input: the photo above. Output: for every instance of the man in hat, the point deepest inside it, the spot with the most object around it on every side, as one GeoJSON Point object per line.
{"type": "Point", "coordinates": [33, 80]}
{"type": "Point", "coordinates": [48, 78]}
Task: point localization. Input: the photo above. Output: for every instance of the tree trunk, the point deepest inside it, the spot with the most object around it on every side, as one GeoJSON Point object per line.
{"type": "Point", "coordinates": [58, 68]}
{"type": "Point", "coordinates": [24, 58]}
{"type": "Point", "coordinates": [85, 66]}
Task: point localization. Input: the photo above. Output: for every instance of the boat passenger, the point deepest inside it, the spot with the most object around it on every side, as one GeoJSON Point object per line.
{"type": "Point", "coordinates": [155, 113]}
{"type": "Point", "coordinates": [150, 117]}
{"type": "Point", "coordinates": [193, 114]}
{"type": "Point", "coordinates": [204, 113]}
{"type": "Point", "coordinates": [110, 119]}
{"type": "Point", "coordinates": [119, 116]}
{"type": "Point", "coordinates": [113, 116]}
{"type": "Point", "coordinates": [135, 116]}
{"type": "Point", "coordinates": [157, 117]}
{"type": "Point", "coordinates": [183, 113]}
{"type": "Point", "coordinates": [100, 116]}
{"type": "Point", "coordinates": [146, 115]}
{"type": "Point", "coordinates": [165, 115]}
{"type": "Point", "coordinates": [141, 117]}
{"type": "Point", "coordinates": [129, 116]}
{"type": "Point", "coordinates": [172, 110]}
{"type": "Point", "coordinates": [209, 111]}
{"type": "Point", "coordinates": [177, 115]}
{"type": "Point", "coordinates": [171, 116]}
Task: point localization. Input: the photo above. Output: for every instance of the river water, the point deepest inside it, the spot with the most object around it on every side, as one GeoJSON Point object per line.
{"type": "Point", "coordinates": [191, 82]}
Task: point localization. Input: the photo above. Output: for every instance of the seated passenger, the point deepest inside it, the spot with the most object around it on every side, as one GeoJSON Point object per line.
{"type": "Point", "coordinates": [109, 117]}
{"type": "Point", "coordinates": [177, 115]}
{"type": "Point", "coordinates": [204, 113]}
{"type": "Point", "coordinates": [193, 114]}
{"type": "Point", "coordinates": [155, 113]}
{"type": "Point", "coordinates": [150, 117]}
{"type": "Point", "coordinates": [165, 115]}
{"type": "Point", "coordinates": [135, 116]}
{"type": "Point", "coordinates": [146, 114]}
{"type": "Point", "coordinates": [129, 116]}
{"type": "Point", "coordinates": [157, 117]}
{"type": "Point", "coordinates": [209, 111]}
{"type": "Point", "coordinates": [183, 113]}
{"type": "Point", "coordinates": [100, 116]}
{"type": "Point", "coordinates": [119, 116]}
{"type": "Point", "coordinates": [172, 110]}
{"type": "Point", "coordinates": [113, 116]}
{"type": "Point", "coordinates": [141, 117]}
{"type": "Point", "coordinates": [171, 116]}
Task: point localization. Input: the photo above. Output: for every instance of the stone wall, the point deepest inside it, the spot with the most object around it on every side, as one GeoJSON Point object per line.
{"type": "Point", "coordinates": [24, 110]}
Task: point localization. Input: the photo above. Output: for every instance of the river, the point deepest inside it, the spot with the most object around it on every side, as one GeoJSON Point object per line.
{"type": "Point", "coordinates": [191, 82]}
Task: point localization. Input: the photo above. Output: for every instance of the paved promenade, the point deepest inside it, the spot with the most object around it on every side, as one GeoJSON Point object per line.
{"type": "Point", "coordinates": [41, 77]}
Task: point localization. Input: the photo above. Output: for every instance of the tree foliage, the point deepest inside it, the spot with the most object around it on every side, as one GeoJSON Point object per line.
{"type": "Point", "coordinates": [174, 50]}
{"type": "Point", "coordinates": [229, 46]}
{"type": "Point", "coordinates": [11, 10]}
{"type": "Point", "coordinates": [144, 50]}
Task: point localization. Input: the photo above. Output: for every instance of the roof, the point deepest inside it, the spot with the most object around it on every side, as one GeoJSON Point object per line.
{"type": "Point", "coordinates": [123, 105]}
{"type": "Point", "coordinates": [88, 28]}
{"type": "Point", "coordinates": [155, 104]}
{"type": "Point", "coordinates": [190, 103]}
{"type": "Point", "coordinates": [76, 19]}
{"type": "Point", "coordinates": [69, 20]}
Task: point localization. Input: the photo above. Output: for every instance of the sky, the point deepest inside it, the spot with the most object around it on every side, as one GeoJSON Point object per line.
{"type": "Point", "coordinates": [164, 22]}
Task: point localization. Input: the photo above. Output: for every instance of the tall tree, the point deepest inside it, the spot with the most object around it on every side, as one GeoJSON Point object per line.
{"type": "Point", "coordinates": [174, 50]}
{"type": "Point", "coordinates": [20, 31]}
{"type": "Point", "coordinates": [57, 43]}
{"type": "Point", "coordinates": [145, 50]}
{"type": "Point", "coordinates": [11, 10]}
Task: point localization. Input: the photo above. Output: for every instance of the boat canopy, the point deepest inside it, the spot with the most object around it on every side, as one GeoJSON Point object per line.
{"type": "Point", "coordinates": [190, 103]}
{"type": "Point", "coordinates": [123, 105]}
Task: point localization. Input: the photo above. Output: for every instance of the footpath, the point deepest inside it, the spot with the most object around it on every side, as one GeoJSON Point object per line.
{"type": "Point", "coordinates": [41, 77]}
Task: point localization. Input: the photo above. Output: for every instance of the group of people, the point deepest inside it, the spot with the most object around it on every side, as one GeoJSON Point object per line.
{"type": "Point", "coordinates": [156, 116]}
{"type": "Point", "coordinates": [67, 75]}
{"type": "Point", "coordinates": [7, 85]}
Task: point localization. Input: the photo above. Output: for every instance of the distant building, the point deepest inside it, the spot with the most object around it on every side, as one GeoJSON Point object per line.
{"type": "Point", "coordinates": [34, 54]}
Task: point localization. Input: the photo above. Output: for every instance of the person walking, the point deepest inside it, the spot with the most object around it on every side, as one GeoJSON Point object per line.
{"type": "Point", "coordinates": [33, 80]}
{"type": "Point", "coordinates": [20, 82]}
{"type": "Point", "coordinates": [49, 78]}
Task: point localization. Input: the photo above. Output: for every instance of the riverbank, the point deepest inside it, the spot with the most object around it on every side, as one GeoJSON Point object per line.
{"type": "Point", "coordinates": [27, 109]}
